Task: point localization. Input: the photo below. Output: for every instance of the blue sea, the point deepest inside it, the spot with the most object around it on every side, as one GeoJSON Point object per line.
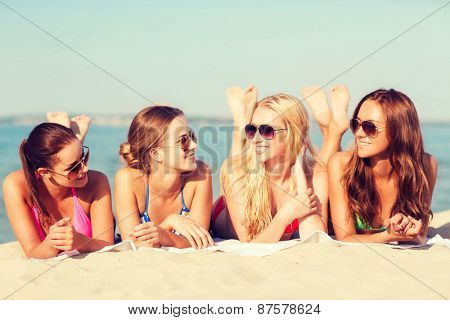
{"type": "Point", "coordinates": [214, 143]}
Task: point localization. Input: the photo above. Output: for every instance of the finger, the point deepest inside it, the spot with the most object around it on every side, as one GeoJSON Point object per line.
{"type": "Point", "coordinates": [143, 232]}
{"type": "Point", "coordinates": [204, 236]}
{"type": "Point", "coordinates": [404, 222]}
{"type": "Point", "coordinates": [60, 242]}
{"type": "Point", "coordinates": [408, 226]}
{"type": "Point", "coordinates": [190, 239]}
{"type": "Point", "coordinates": [309, 191]}
{"type": "Point", "coordinates": [197, 238]}
{"type": "Point", "coordinates": [64, 229]}
{"type": "Point", "coordinates": [395, 219]}
{"type": "Point", "coordinates": [63, 222]}
{"type": "Point", "coordinates": [152, 237]}
{"type": "Point", "coordinates": [143, 226]}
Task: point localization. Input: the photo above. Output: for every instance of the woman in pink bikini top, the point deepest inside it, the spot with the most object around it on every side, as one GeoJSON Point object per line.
{"type": "Point", "coordinates": [54, 203]}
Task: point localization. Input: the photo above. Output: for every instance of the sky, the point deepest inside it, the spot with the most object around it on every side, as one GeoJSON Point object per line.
{"type": "Point", "coordinates": [186, 53]}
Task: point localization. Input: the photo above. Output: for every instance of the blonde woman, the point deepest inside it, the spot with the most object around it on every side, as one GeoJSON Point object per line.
{"type": "Point", "coordinates": [270, 188]}
{"type": "Point", "coordinates": [163, 197]}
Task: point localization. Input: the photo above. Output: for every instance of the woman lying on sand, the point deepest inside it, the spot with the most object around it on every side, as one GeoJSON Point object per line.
{"type": "Point", "coordinates": [381, 191]}
{"type": "Point", "coordinates": [54, 203]}
{"type": "Point", "coordinates": [164, 196]}
{"type": "Point", "coordinates": [268, 184]}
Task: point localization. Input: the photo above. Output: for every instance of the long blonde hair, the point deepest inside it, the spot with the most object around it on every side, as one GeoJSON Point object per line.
{"type": "Point", "coordinates": [244, 175]}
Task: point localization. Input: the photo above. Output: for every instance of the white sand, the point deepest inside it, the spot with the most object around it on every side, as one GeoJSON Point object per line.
{"type": "Point", "coordinates": [307, 271]}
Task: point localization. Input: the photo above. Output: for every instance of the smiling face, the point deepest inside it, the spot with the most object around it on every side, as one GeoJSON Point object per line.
{"type": "Point", "coordinates": [178, 150]}
{"type": "Point", "coordinates": [371, 146]}
{"type": "Point", "coordinates": [65, 160]}
{"type": "Point", "coordinates": [275, 149]}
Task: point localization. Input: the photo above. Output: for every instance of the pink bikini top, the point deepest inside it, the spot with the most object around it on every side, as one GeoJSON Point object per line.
{"type": "Point", "coordinates": [81, 221]}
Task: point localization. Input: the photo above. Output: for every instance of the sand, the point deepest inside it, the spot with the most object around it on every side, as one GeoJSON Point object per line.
{"type": "Point", "coordinates": [307, 271]}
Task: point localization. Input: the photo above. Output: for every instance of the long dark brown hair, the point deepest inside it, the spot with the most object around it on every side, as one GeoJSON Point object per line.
{"type": "Point", "coordinates": [39, 151]}
{"type": "Point", "coordinates": [146, 132]}
{"type": "Point", "coordinates": [407, 157]}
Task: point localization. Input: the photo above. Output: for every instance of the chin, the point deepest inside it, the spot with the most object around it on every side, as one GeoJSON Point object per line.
{"type": "Point", "coordinates": [82, 182]}
{"type": "Point", "coordinates": [189, 167]}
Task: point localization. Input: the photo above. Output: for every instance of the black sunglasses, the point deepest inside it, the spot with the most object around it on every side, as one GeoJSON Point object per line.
{"type": "Point", "coordinates": [369, 128]}
{"type": "Point", "coordinates": [185, 140]}
{"type": "Point", "coordinates": [266, 131]}
{"type": "Point", "coordinates": [75, 170]}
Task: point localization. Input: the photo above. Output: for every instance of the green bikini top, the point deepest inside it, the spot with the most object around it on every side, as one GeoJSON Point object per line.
{"type": "Point", "coordinates": [361, 225]}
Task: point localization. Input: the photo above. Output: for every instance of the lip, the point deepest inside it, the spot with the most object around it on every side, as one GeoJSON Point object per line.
{"type": "Point", "coordinates": [190, 156]}
{"type": "Point", "coordinates": [82, 177]}
{"type": "Point", "coordinates": [364, 144]}
{"type": "Point", "coordinates": [261, 149]}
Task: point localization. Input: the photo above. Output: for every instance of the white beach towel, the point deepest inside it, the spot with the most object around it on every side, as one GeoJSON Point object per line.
{"type": "Point", "coordinates": [257, 249]}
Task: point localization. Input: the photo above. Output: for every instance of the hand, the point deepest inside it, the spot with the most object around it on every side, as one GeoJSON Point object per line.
{"type": "Point", "coordinates": [147, 234]}
{"type": "Point", "coordinates": [241, 103]}
{"type": "Point", "coordinates": [193, 231]}
{"type": "Point", "coordinates": [299, 206]}
{"type": "Point", "coordinates": [63, 236]}
{"type": "Point", "coordinates": [405, 228]}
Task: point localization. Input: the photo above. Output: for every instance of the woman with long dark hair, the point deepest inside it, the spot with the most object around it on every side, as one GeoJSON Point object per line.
{"type": "Point", "coordinates": [382, 190]}
{"type": "Point", "coordinates": [54, 203]}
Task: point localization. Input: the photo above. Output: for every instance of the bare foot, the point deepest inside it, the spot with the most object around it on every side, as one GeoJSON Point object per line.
{"type": "Point", "coordinates": [59, 117]}
{"type": "Point", "coordinates": [241, 103]}
{"type": "Point", "coordinates": [80, 126]}
{"type": "Point", "coordinates": [317, 100]}
{"type": "Point", "coordinates": [340, 98]}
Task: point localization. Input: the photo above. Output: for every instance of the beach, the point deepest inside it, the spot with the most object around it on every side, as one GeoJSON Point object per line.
{"type": "Point", "coordinates": [306, 271]}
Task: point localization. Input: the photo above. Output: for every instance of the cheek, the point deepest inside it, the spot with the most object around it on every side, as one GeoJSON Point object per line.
{"type": "Point", "coordinates": [277, 148]}
{"type": "Point", "coordinates": [380, 143]}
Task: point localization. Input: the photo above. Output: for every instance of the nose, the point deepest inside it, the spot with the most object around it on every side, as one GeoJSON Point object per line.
{"type": "Point", "coordinates": [257, 138]}
{"type": "Point", "coordinates": [360, 133]}
{"type": "Point", "coordinates": [193, 145]}
{"type": "Point", "coordinates": [85, 168]}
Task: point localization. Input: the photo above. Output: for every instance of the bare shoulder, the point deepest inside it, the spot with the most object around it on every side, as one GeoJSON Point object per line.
{"type": "Point", "coordinates": [97, 178]}
{"type": "Point", "coordinates": [339, 160]}
{"type": "Point", "coordinates": [128, 176]}
{"type": "Point", "coordinates": [432, 161]}
{"type": "Point", "coordinates": [16, 182]}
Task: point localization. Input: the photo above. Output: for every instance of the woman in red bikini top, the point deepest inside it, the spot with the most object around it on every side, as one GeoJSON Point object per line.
{"type": "Point", "coordinates": [54, 203]}
{"type": "Point", "coordinates": [267, 184]}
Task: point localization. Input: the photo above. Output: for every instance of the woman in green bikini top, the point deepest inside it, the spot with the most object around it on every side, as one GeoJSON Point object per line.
{"type": "Point", "coordinates": [387, 177]}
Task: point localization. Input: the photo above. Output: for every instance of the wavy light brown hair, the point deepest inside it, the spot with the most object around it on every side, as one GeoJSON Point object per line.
{"type": "Point", "coordinates": [410, 163]}
{"type": "Point", "coordinates": [146, 132]}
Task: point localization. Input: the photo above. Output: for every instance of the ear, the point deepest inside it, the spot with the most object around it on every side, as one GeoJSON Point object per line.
{"type": "Point", "coordinates": [43, 172]}
{"type": "Point", "coordinates": [156, 155]}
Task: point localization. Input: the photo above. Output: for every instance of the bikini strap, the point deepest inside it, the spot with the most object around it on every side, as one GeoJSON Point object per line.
{"type": "Point", "coordinates": [74, 194]}
{"type": "Point", "coordinates": [147, 192]}
{"type": "Point", "coordinates": [183, 204]}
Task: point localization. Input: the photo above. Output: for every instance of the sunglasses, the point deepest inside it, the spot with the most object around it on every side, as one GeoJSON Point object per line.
{"type": "Point", "coordinates": [75, 170]}
{"type": "Point", "coordinates": [266, 131]}
{"type": "Point", "coordinates": [369, 128]}
{"type": "Point", "coordinates": [185, 141]}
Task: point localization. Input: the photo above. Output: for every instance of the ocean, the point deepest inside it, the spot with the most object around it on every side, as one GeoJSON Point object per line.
{"type": "Point", "coordinates": [214, 142]}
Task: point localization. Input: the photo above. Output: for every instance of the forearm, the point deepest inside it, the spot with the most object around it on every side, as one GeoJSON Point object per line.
{"type": "Point", "coordinates": [379, 237]}
{"type": "Point", "coordinates": [87, 244]}
{"type": "Point", "coordinates": [273, 232]}
{"type": "Point", "coordinates": [42, 251]}
{"type": "Point", "coordinates": [170, 239]}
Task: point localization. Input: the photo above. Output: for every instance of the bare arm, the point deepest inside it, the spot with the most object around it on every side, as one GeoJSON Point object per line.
{"type": "Point", "coordinates": [19, 214]}
{"type": "Point", "coordinates": [125, 202]}
{"type": "Point", "coordinates": [101, 217]}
